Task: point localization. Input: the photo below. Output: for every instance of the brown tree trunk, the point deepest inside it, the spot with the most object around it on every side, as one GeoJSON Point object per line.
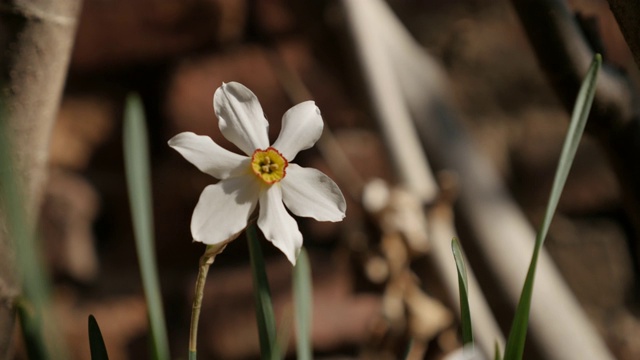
{"type": "Point", "coordinates": [36, 38]}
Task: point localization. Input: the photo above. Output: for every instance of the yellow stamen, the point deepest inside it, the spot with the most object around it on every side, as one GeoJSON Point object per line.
{"type": "Point", "coordinates": [269, 165]}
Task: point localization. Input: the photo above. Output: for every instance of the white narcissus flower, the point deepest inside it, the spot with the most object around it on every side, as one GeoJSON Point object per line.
{"type": "Point", "coordinates": [264, 176]}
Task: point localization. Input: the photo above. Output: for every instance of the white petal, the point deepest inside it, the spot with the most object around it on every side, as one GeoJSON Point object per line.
{"type": "Point", "coordinates": [310, 193]}
{"type": "Point", "coordinates": [301, 128]}
{"type": "Point", "coordinates": [240, 117]}
{"type": "Point", "coordinates": [223, 209]}
{"type": "Point", "coordinates": [209, 157]}
{"type": "Point", "coordinates": [277, 225]}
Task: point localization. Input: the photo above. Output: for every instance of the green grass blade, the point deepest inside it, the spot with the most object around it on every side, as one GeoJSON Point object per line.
{"type": "Point", "coordinates": [407, 349]}
{"type": "Point", "coordinates": [465, 311]}
{"type": "Point", "coordinates": [136, 154]}
{"type": "Point", "coordinates": [514, 348]}
{"type": "Point", "coordinates": [496, 354]}
{"type": "Point", "coordinates": [96, 343]}
{"type": "Point", "coordinates": [283, 337]}
{"type": "Point", "coordinates": [31, 326]}
{"type": "Point", "coordinates": [39, 326]}
{"type": "Point", "coordinates": [264, 308]}
{"type": "Point", "coordinates": [303, 298]}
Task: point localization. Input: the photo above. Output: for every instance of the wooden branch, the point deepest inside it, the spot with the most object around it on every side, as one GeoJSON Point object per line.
{"type": "Point", "coordinates": [564, 54]}
{"type": "Point", "coordinates": [36, 38]}
{"type": "Point", "coordinates": [626, 13]}
{"type": "Point", "coordinates": [378, 35]}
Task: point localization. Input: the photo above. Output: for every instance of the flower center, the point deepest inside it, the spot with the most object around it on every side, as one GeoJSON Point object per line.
{"type": "Point", "coordinates": [269, 165]}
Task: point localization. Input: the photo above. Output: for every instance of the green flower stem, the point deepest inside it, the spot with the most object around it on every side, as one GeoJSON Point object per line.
{"type": "Point", "coordinates": [264, 306]}
{"type": "Point", "coordinates": [205, 261]}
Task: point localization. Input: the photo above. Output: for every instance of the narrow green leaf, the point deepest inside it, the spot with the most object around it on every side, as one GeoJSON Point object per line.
{"type": "Point", "coordinates": [283, 336]}
{"type": "Point", "coordinates": [31, 326]}
{"type": "Point", "coordinates": [465, 311]}
{"type": "Point", "coordinates": [38, 323]}
{"type": "Point", "coordinates": [136, 154]}
{"type": "Point", "coordinates": [96, 343]}
{"type": "Point", "coordinates": [497, 355]}
{"type": "Point", "coordinates": [514, 348]}
{"type": "Point", "coordinates": [264, 308]}
{"type": "Point", "coordinates": [303, 297]}
{"type": "Point", "coordinates": [407, 350]}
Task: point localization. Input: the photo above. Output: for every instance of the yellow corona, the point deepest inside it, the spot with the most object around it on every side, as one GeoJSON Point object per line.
{"type": "Point", "coordinates": [269, 165]}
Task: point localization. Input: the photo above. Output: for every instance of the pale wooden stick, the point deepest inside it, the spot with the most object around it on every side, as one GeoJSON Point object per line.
{"type": "Point", "coordinates": [372, 27]}
{"type": "Point", "coordinates": [388, 103]}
